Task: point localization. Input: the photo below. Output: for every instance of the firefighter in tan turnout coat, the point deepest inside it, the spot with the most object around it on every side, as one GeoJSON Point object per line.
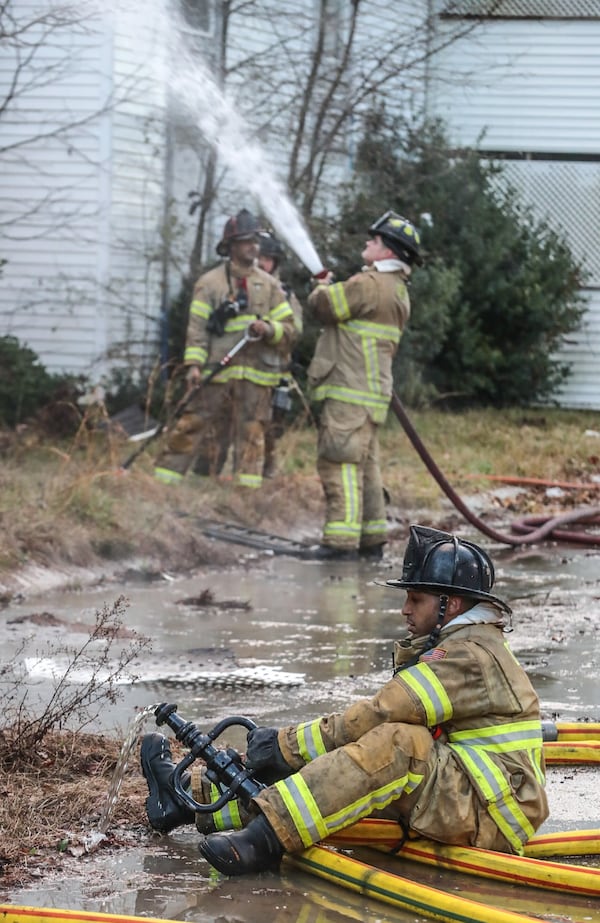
{"type": "Point", "coordinates": [450, 746]}
{"type": "Point", "coordinates": [351, 372]}
{"type": "Point", "coordinates": [235, 408]}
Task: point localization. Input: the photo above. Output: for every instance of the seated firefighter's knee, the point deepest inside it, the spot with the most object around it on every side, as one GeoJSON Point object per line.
{"type": "Point", "coordinates": [393, 744]}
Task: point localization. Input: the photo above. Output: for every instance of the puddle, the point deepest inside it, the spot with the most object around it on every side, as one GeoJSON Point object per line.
{"type": "Point", "coordinates": [307, 638]}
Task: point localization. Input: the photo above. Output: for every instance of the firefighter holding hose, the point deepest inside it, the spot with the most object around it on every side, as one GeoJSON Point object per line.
{"type": "Point", "coordinates": [351, 373]}
{"type": "Point", "coordinates": [233, 299]}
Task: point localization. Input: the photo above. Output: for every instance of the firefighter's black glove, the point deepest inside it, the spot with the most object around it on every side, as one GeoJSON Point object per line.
{"type": "Point", "coordinates": [263, 756]}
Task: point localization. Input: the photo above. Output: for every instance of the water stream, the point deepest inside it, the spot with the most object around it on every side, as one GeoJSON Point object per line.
{"type": "Point", "coordinates": [129, 743]}
{"type": "Point", "coordinates": [207, 106]}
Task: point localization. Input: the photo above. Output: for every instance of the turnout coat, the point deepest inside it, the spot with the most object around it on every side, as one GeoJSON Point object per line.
{"type": "Point", "coordinates": [451, 745]}
{"type": "Point", "coordinates": [259, 362]}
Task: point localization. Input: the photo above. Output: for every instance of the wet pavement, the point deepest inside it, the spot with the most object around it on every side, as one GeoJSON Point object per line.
{"type": "Point", "coordinates": [286, 640]}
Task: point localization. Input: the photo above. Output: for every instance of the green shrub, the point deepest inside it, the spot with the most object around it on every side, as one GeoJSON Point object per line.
{"type": "Point", "coordinates": [25, 385]}
{"type": "Point", "coordinates": [499, 291]}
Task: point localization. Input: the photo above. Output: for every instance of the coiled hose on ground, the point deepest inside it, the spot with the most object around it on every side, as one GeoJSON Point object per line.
{"type": "Point", "coordinates": [529, 529]}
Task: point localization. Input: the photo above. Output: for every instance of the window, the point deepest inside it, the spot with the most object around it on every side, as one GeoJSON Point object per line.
{"type": "Point", "coordinates": [520, 9]}
{"type": "Point", "coordinates": [197, 15]}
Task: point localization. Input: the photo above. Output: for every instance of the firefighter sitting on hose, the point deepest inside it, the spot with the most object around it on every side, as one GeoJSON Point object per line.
{"type": "Point", "coordinates": [450, 746]}
{"type": "Point", "coordinates": [235, 407]}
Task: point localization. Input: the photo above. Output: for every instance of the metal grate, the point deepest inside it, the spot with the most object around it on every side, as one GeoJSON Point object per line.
{"type": "Point", "coordinates": [538, 9]}
{"type": "Point", "coordinates": [567, 196]}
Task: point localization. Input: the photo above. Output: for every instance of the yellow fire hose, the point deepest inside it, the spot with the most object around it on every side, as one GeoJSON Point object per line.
{"type": "Point", "coordinates": [525, 870]}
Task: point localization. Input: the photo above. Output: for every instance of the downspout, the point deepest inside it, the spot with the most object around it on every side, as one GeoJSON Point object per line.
{"type": "Point", "coordinates": [166, 246]}
{"type": "Point", "coordinates": [429, 30]}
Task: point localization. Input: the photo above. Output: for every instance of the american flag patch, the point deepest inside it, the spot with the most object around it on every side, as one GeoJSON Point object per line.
{"type": "Point", "coordinates": [435, 654]}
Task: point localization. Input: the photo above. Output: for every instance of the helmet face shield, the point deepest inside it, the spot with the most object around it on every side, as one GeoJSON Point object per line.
{"type": "Point", "coordinates": [440, 563]}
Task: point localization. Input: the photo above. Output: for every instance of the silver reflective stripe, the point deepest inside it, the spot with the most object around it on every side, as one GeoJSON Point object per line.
{"type": "Point", "coordinates": [430, 691]}
{"type": "Point", "coordinates": [501, 803]}
{"type": "Point", "coordinates": [310, 741]}
{"type": "Point", "coordinates": [503, 738]}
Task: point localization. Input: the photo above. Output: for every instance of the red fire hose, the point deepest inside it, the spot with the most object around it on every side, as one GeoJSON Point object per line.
{"type": "Point", "coordinates": [530, 529]}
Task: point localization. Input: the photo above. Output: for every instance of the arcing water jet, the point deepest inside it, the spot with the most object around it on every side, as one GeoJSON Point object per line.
{"type": "Point", "coordinates": [207, 106]}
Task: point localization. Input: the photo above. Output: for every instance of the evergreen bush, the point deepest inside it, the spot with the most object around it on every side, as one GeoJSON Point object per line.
{"type": "Point", "coordinates": [25, 384]}
{"type": "Point", "coordinates": [499, 291]}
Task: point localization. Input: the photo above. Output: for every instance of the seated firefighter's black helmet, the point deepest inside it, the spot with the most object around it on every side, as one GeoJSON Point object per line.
{"type": "Point", "coordinates": [400, 235]}
{"type": "Point", "coordinates": [440, 563]}
{"type": "Point", "coordinates": [242, 226]}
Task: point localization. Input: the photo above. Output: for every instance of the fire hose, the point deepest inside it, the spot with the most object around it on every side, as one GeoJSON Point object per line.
{"type": "Point", "coordinates": [184, 402]}
{"type": "Point", "coordinates": [530, 529]}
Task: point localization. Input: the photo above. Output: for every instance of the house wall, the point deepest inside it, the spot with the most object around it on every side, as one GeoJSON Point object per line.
{"type": "Point", "coordinates": [49, 196]}
{"type": "Point", "coordinates": [526, 91]}
{"type": "Point", "coordinates": [81, 193]}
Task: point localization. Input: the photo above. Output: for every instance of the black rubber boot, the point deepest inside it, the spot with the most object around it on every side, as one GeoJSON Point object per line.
{"type": "Point", "coordinates": [243, 852]}
{"type": "Point", "coordinates": [371, 552]}
{"type": "Point", "coordinates": [164, 810]}
{"type": "Point", "coordinates": [329, 553]}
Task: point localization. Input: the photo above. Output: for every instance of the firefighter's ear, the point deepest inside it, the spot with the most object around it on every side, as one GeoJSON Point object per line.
{"type": "Point", "coordinates": [456, 605]}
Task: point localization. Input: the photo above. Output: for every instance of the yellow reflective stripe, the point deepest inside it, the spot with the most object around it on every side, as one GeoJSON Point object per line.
{"type": "Point", "coordinates": [341, 530]}
{"type": "Point", "coordinates": [376, 800]}
{"type": "Point", "coordinates": [278, 330]}
{"type": "Point", "coordinates": [228, 818]}
{"type": "Point", "coordinates": [201, 309]}
{"type": "Point", "coordinates": [310, 740]}
{"type": "Point", "coordinates": [349, 475]}
{"type": "Point", "coordinates": [508, 650]}
{"type": "Point", "coordinates": [374, 526]}
{"type": "Point", "coordinates": [352, 396]}
{"type": "Point", "coordinates": [430, 692]}
{"type": "Point", "coordinates": [302, 809]}
{"type": "Point", "coordinates": [536, 761]}
{"type": "Point", "coordinates": [501, 803]}
{"type": "Point", "coordinates": [502, 738]}
{"type": "Point", "coordinates": [310, 823]}
{"type": "Point", "coordinates": [280, 311]}
{"type": "Point", "coordinates": [337, 296]}
{"type": "Point", "coordinates": [350, 526]}
{"type": "Point", "coordinates": [195, 354]}
{"type": "Point", "coordinates": [167, 476]}
{"type": "Point", "coordinates": [246, 373]}
{"type": "Point", "coordinates": [239, 323]}
{"type": "Point", "coordinates": [249, 480]}
{"type": "Point", "coordinates": [372, 330]}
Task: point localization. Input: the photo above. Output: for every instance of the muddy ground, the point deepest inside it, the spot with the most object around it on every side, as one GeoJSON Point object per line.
{"type": "Point", "coordinates": [281, 640]}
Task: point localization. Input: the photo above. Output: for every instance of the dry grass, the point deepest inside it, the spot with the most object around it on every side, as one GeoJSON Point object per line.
{"type": "Point", "coordinates": [72, 504]}
{"type": "Point", "coordinates": [51, 804]}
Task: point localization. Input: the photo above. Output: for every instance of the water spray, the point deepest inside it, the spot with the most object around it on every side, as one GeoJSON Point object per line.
{"type": "Point", "coordinates": [203, 103]}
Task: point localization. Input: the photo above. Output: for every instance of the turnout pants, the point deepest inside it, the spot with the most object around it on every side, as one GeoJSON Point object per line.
{"type": "Point", "coordinates": [231, 413]}
{"type": "Point", "coordinates": [396, 771]}
{"type": "Point", "coordinates": [348, 465]}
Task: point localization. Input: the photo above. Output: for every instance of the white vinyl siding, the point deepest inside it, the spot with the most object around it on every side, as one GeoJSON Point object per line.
{"type": "Point", "coordinates": [529, 90]}
{"type": "Point", "coordinates": [521, 85]}
{"type": "Point", "coordinates": [82, 209]}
